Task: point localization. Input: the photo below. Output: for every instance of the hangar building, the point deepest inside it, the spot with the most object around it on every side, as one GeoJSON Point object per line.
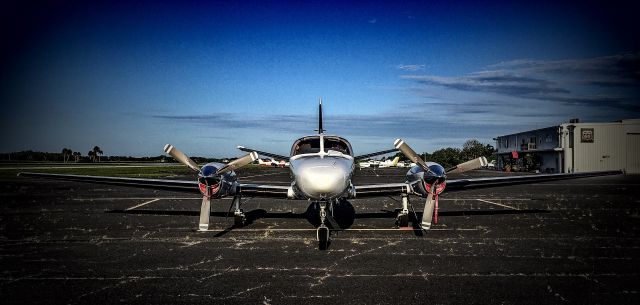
{"type": "Point", "coordinates": [572, 147]}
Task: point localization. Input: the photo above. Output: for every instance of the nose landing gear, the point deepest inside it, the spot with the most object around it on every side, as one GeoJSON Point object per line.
{"type": "Point", "coordinates": [323, 233]}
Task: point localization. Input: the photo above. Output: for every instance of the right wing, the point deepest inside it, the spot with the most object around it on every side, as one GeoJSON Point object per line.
{"type": "Point", "coordinates": [161, 184]}
{"type": "Point", "coordinates": [249, 189]}
{"type": "Point", "coordinates": [264, 153]}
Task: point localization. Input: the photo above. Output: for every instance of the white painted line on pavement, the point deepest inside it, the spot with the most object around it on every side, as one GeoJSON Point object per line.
{"type": "Point", "coordinates": [144, 203]}
{"type": "Point", "coordinates": [498, 204]}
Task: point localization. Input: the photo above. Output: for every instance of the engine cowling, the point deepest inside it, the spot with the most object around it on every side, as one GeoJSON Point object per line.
{"type": "Point", "coordinates": [216, 186]}
{"type": "Point", "coordinates": [422, 180]}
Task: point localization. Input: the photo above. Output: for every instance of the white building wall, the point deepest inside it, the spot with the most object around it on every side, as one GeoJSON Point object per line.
{"type": "Point", "coordinates": [633, 153]}
{"type": "Point", "coordinates": [606, 152]}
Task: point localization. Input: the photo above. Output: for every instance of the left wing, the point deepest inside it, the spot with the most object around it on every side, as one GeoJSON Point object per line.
{"type": "Point", "coordinates": [453, 185]}
{"type": "Point", "coordinates": [379, 190]}
{"type": "Point", "coordinates": [462, 184]}
{"type": "Point", "coordinates": [251, 190]}
{"type": "Point", "coordinates": [375, 154]}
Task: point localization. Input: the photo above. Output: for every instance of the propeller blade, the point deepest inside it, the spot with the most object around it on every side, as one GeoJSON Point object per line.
{"type": "Point", "coordinates": [469, 165]}
{"type": "Point", "coordinates": [181, 157]}
{"type": "Point", "coordinates": [205, 210]}
{"type": "Point", "coordinates": [240, 162]}
{"type": "Point", "coordinates": [409, 153]}
{"type": "Point", "coordinates": [427, 215]}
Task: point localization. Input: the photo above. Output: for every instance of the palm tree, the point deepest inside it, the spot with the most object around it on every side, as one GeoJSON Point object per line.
{"type": "Point", "coordinates": [92, 156]}
{"type": "Point", "coordinates": [66, 154]}
{"type": "Point", "coordinates": [77, 155]}
{"type": "Point", "coordinates": [97, 152]}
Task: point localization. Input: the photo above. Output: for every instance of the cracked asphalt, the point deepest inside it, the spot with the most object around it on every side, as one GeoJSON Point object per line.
{"type": "Point", "coordinates": [563, 242]}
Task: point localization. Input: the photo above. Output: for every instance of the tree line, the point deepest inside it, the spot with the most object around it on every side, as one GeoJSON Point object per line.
{"type": "Point", "coordinates": [449, 157]}
{"type": "Point", "coordinates": [67, 155]}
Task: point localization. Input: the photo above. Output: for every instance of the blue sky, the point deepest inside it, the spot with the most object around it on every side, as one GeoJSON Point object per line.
{"type": "Point", "coordinates": [207, 77]}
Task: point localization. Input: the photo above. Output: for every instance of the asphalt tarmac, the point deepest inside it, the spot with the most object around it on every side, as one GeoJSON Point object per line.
{"type": "Point", "coordinates": [563, 242]}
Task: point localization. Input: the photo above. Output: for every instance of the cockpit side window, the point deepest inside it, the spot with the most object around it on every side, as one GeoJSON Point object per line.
{"type": "Point", "coordinates": [307, 146]}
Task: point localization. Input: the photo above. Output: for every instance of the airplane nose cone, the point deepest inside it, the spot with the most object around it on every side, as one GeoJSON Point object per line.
{"type": "Point", "coordinates": [321, 182]}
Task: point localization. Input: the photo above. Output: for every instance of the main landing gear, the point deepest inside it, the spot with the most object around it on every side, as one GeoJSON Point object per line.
{"type": "Point", "coordinates": [239, 219]}
{"type": "Point", "coordinates": [402, 219]}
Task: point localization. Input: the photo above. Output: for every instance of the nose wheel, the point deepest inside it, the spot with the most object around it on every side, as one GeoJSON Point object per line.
{"type": "Point", "coordinates": [323, 231]}
{"type": "Point", "coordinates": [323, 237]}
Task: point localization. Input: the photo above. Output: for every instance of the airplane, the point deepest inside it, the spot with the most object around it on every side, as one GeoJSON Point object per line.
{"type": "Point", "coordinates": [389, 163]}
{"type": "Point", "coordinates": [369, 163]}
{"type": "Point", "coordinates": [271, 162]}
{"type": "Point", "coordinates": [322, 168]}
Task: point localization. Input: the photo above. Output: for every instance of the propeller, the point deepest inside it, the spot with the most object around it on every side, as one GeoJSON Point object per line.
{"type": "Point", "coordinates": [429, 207]}
{"type": "Point", "coordinates": [181, 157]}
{"type": "Point", "coordinates": [205, 208]}
{"type": "Point", "coordinates": [469, 165]}
{"type": "Point", "coordinates": [412, 155]}
{"type": "Point", "coordinates": [240, 162]}
{"type": "Point", "coordinates": [237, 163]}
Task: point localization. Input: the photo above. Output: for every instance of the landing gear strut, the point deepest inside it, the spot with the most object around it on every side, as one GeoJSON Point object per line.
{"type": "Point", "coordinates": [323, 232]}
{"type": "Point", "coordinates": [402, 220]}
{"type": "Point", "coordinates": [239, 218]}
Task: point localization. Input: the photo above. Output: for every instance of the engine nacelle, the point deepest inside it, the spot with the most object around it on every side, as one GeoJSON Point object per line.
{"type": "Point", "coordinates": [422, 180]}
{"type": "Point", "coordinates": [216, 186]}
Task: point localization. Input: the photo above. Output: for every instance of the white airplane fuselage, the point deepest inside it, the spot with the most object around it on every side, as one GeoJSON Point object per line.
{"type": "Point", "coordinates": [325, 174]}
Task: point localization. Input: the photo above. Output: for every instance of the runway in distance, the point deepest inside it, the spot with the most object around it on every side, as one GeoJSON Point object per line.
{"type": "Point", "coordinates": [322, 168]}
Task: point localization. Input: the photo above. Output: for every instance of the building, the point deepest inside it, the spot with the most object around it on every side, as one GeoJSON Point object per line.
{"type": "Point", "coordinates": [572, 147]}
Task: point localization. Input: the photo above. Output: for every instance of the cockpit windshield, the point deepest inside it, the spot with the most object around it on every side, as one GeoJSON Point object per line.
{"type": "Point", "coordinates": [307, 145]}
{"type": "Point", "coordinates": [336, 144]}
{"type": "Point", "coordinates": [311, 145]}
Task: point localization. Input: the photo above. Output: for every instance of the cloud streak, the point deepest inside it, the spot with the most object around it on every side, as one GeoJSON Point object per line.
{"type": "Point", "coordinates": [411, 67]}
{"type": "Point", "coordinates": [603, 82]}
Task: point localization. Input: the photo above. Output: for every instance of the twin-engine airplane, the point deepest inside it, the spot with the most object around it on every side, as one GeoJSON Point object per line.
{"type": "Point", "coordinates": [322, 168]}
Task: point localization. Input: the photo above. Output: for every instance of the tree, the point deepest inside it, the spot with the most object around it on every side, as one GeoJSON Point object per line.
{"type": "Point", "coordinates": [76, 155]}
{"type": "Point", "coordinates": [92, 156]}
{"type": "Point", "coordinates": [447, 157]}
{"type": "Point", "coordinates": [473, 149]}
{"type": "Point", "coordinates": [65, 153]}
{"type": "Point", "coordinates": [97, 152]}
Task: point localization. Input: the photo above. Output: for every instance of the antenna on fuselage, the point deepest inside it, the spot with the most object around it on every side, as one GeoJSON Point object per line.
{"type": "Point", "coordinates": [320, 130]}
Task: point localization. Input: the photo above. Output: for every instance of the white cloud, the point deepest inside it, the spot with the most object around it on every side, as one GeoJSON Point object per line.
{"type": "Point", "coordinates": [410, 67]}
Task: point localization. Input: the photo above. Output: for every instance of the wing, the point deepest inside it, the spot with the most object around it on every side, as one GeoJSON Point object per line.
{"type": "Point", "coordinates": [172, 185]}
{"type": "Point", "coordinates": [264, 153]}
{"type": "Point", "coordinates": [462, 184]}
{"type": "Point", "coordinates": [379, 190]}
{"type": "Point", "coordinates": [251, 190]}
{"type": "Point", "coordinates": [375, 154]}
{"type": "Point", "coordinates": [391, 189]}
{"type": "Point", "coordinates": [262, 190]}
